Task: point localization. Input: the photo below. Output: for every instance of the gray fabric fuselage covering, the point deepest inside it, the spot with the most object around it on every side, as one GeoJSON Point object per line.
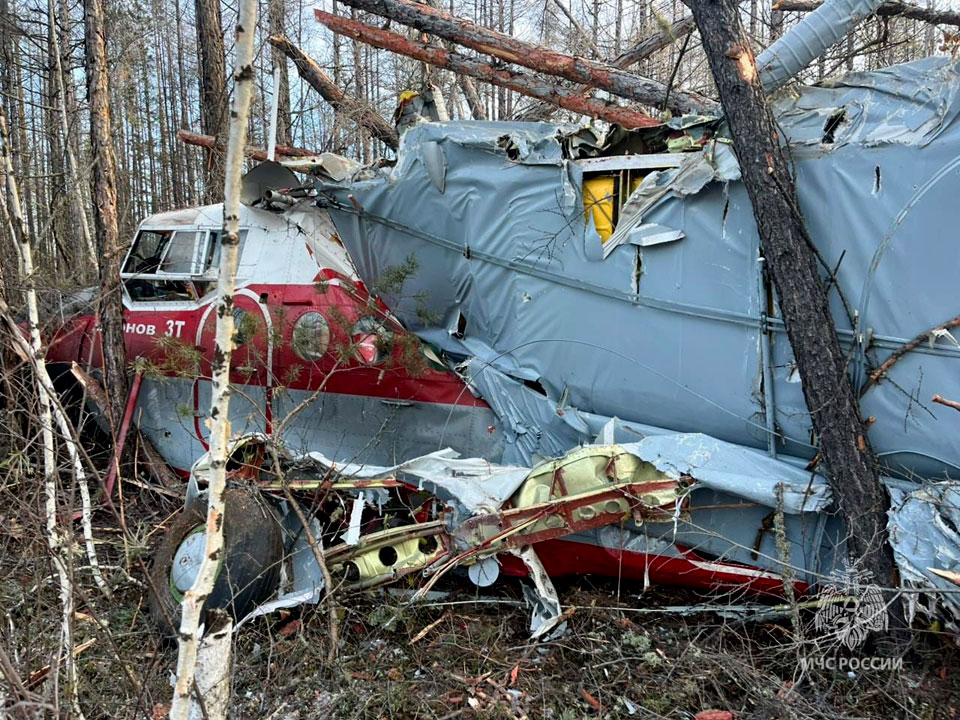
{"type": "Point", "coordinates": [558, 339]}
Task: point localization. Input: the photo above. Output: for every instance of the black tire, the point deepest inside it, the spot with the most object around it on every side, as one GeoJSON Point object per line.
{"type": "Point", "coordinates": [250, 571]}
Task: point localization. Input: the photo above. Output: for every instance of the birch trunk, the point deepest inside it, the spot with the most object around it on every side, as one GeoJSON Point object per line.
{"type": "Point", "coordinates": [195, 597]}
{"type": "Point", "coordinates": [55, 540]}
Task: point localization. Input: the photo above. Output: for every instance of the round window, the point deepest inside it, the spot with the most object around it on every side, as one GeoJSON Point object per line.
{"type": "Point", "coordinates": [311, 336]}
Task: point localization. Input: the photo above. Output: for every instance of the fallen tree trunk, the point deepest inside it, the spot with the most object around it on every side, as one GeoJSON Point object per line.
{"type": "Point", "coordinates": [888, 9]}
{"type": "Point", "coordinates": [516, 80]}
{"type": "Point", "coordinates": [639, 52]}
{"type": "Point", "coordinates": [258, 154]}
{"type": "Point", "coordinates": [593, 73]}
{"type": "Point", "coordinates": [360, 111]}
{"type": "Point", "coordinates": [648, 46]}
{"type": "Point", "coordinates": [852, 467]}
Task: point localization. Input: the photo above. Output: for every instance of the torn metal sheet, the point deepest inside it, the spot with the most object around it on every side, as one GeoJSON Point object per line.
{"type": "Point", "coordinates": [476, 484]}
{"type": "Point", "coordinates": [531, 301]}
{"type": "Point", "coordinates": [923, 530]}
{"type": "Point", "coordinates": [736, 470]}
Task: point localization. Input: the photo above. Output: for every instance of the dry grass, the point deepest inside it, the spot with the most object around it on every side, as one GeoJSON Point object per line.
{"type": "Point", "coordinates": [465, 655]}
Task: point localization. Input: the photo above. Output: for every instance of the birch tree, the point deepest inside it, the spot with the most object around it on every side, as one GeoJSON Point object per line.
{"type": "Point", "coordinates": [196, 596]}
{"type": "Point", "coordinates": [59, 548]}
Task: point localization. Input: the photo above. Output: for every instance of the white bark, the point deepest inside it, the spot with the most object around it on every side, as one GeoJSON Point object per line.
{"type": "Point", "coordinates": [55, 538]}
{"type": "Point", "coordinates": [66, 431]}
{"type": "Point", "coordinates": [214, 667]}
{"type": "Point", "coordinates": [195, 597]}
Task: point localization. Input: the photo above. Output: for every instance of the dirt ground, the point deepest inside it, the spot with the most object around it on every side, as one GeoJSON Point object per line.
{"type": "Point", "coordinates": [626, 652]}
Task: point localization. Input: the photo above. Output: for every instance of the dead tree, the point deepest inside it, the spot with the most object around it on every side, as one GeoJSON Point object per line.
{"type": "Point", "coordinates": [536, 57]}
{"type": "Point", "coordinates": [359, 110]}
{"type": "Point", "coordinates": [104, 191]}
{"type": "Point", "coordinates": [214, 705]}
{"type": "Point", "coordinates": [646, 47]}
{"type": "Point", "coordinates": [852, 467]}
{"type": "Point", "coordinates": [213, 89]}
{"type": "Point", "coordinates": [888, 9]}
{"type": "Point", "coordinates": [254, 153]}
{"type": "Point", "coordinates": [516, 80]}
{"type": "Point", "coordinates": [276, 11]}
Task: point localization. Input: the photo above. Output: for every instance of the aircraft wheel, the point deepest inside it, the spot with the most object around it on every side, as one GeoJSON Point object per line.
{"type": "Point", "coordinates": [248, 573]}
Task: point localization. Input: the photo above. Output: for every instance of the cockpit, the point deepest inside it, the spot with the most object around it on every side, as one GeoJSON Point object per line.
{"type": "Point", "coordinates": [173, 265]}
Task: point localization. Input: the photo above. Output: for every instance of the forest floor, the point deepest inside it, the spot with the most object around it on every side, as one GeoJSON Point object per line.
{"type": "Point", "coordinates": [465, 654]}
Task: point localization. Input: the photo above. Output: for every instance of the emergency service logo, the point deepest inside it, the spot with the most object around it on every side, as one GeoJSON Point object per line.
{"type": "Point", "coordinates": [850, 608]}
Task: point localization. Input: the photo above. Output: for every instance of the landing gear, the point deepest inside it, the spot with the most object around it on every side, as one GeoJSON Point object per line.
{"type": "Point", "coordinates": [249, 570]}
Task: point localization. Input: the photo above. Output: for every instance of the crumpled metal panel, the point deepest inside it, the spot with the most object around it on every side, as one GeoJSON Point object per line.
{"type": "Point", "coordinates": [670, 335]}
{"type": "Point", "coordinates": [736, 470]}
{"type": "Point", "coordinates": [924, 530]}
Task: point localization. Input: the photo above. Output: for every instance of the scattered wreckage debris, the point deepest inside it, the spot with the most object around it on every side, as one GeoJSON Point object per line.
{"type": "Point", "coordinates": [644, 506]}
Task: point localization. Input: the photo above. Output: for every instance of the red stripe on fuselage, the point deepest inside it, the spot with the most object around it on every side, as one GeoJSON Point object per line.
{"type": "Point", "coordinates": [169, 339]}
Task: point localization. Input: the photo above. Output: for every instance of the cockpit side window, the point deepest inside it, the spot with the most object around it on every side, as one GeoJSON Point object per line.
{"type": "Point", "coordinates": [173, 265]}
{"type": "Point", "coordinates": [147, 251]}
{"type": "Point", "coordinates": [180, 255]}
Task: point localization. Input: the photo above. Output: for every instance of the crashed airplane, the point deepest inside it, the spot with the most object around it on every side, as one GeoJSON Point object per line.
{"type": "Point", "coordinates": [534, 349]}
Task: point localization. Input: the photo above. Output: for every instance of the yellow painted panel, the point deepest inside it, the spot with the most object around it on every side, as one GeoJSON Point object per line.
{"type": "Point", "coordinates": [598, 199]}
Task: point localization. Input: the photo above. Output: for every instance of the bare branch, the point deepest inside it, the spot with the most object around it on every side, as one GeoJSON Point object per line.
{"type": "Point", "coordinates": [516, 80]}
{"type": "Point", "coordinates": [888, 9]}
{"type": "Point", "coordinates": [317, 79]}
{"type": "Point", "coordinates": [536, 57]}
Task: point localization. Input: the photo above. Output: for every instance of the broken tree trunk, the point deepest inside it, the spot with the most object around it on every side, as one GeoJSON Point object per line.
{"type": "Point", "coordinates": [196, 596]}
{"type": "Point", "coordinates": [276, 15]}
{"type": "Point", "coordinates": [474, 102]}
{"type": "Point", "coordinates": [639, 52]}
{"type": "Point", "coordinates": [358, 110]}
{"type": "Point", "coordinates": [596, 74]}
{"type": "Point", "coordinates": [888, 9]}
{"type": "Point", "coordinates": [104, 190]}
{"type": "Point", "coordinates": [646, 47]}
{"type": "Point", "coordinates": [213, 90]}
{"type": "Point", "coordinates": [255, 153]}
{"type": "Point", "coordinates": [852, 468]}
{"type": "Point", "coordinates": [515, 80]}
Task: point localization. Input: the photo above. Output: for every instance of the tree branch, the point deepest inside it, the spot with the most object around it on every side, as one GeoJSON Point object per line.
{"type": "Point", "coordinates": [592, 73]}
{"type": "Point", "coordinates": [317, 79]}
{"type": "Point", "coordinates": [258, 154]}
{"type": "Point", "coordinates": [888, 9]}
{"type": "Point", "coordinates": [516, 80]}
